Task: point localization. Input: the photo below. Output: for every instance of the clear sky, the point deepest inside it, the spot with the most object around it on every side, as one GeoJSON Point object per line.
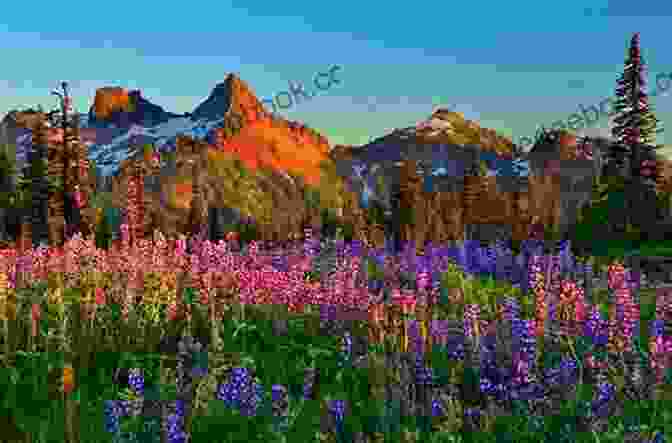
{"type": "Point", "coordinates": [510, 65]}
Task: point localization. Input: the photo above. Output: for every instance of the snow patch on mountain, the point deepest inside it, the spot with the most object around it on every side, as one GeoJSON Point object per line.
{"type": "Point", "coordinates": [163, 136]}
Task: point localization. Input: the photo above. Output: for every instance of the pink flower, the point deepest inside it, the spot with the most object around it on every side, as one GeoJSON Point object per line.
{"type": "Point", "coordinates": [406, 301]}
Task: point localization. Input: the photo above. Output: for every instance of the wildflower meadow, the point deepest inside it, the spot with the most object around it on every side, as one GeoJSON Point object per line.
{"type": "Point", "coordinates": [164, 341]}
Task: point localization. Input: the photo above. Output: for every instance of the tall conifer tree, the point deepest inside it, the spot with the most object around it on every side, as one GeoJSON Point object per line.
{"type": "Point", "coordinates": [635, 128]}
{"type": "Point", "coordinates": [634, 123]}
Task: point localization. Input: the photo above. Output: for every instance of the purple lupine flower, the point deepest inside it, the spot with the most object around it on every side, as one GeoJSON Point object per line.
{"type": "Point", "coordinates": [136, 381]}
{"type": "Point", "coordinates": [565, 374]}
{"type": "Point", "coordinates": [415, 338]}
{"type": "Point", "coordinates": [657, 327]}
{"type": "Point", "coordinates": [124, 407]}
{"type": "Point", "coordinates": [278, 392]}
{"type": "Point", "coordinates": [472, 412]}
{"type": "Point", "coordinates": [439, 330]}
{"type": "Point", "coordinates": [112, 414]}
{"type": "Point", "coordinates": [528, 343]}
{"type": "Point", "coordinates": [241, 392]}
{"type": "Point", "coordinates": [437, 408]}
{"type": "Point", "coordinates": [423, 279]}
{"type": "Point", "coordinates": [423, 374]}
{"type": "Point", "coordinates": [346, 348]}
{"type": "Point", "coordinates": [309, 378]}
{"type": "Point", "coordinates": [596, 327]}
{"type": "Point", "coordinates": [604, 395]}
{"type": "Point", "coordinates": [511, 309]}
{"type": "Point", "coordinates": [175, 424]}
{"type": "Point", "coordinates": [327, 312]}
{"type": "Point", "coordinates": [486, 385]}
{"type": "Point", "coordinates": [337, 410]}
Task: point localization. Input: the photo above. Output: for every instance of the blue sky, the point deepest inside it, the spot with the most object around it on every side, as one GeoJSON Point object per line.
{"type": "Point", "coordinates": [511, 65]}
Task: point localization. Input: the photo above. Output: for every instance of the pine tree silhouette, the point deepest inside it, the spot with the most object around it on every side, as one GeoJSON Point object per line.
{"type": "Point", "coordinates": [635, 128]}
{"type": "Point", "coordinates": [634, 122]}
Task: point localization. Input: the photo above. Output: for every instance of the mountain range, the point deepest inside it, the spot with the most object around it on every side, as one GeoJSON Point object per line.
{"type": "Point", "coordinates": [261, 164]}
{"type": "Point", "coordinates": [232, 119]}
{"type": "Point", "coordinates": [120, 120]}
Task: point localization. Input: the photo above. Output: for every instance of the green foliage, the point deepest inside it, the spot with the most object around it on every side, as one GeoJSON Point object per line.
{"type": "Point", "coordinates": [406, 216]}
{"type": "Point", "coordinates": [603, 221]}
{"type": "Point", "coordinates": [103, 233]}
{"type": "Point", "coordinates": [7, 170]}
{"type": "Point", "coordinates": [332, 227]}
{"type": "Point", "coordinates": [312, 198]}
{"type": "Point", "coordinates": [373, 271]}
{"type": "Point", "coordinates": [170, 157]}
{"type": "Point", "coordinates": [482, 168]}
{"type": "Point", "coordinates": [247, 232]}
{"type": "Point", "coordinates": [380, 184]}
{"type": "Point", "coordinates": [376, 213]}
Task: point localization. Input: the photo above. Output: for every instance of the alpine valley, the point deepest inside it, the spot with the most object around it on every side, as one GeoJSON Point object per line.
{"type": "Point", "coordinates": [230, 161]}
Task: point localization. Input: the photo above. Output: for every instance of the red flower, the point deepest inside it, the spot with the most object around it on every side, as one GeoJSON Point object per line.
{"type": "Point", "coordinates": [100, 296]}
{"type": "Point", "coordinates": [36, 312]}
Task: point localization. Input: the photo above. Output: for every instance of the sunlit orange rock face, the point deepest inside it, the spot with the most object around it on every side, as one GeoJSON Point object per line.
{"type": "Point", "coordinates": [182, 195]}
{"type": "Point", "coordinates": [271, 142]}
{"type": "Point", "coordinates": [110, 99]}
{"type": "Point", "coordinates": [243, 101]}
{"type": "Point", "coordinates": [268, 143]}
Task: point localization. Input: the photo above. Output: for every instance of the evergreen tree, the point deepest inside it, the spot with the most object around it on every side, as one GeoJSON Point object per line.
{"type": "Point", "coordinates": [594, 223]}
{"type": "Point", "coordinates": [643, 191]}
{"type": "Point", "coordinates": [635, 123]}
{"type": "Point", "coordinates": [7, 172]}
{"type": "Point", "coordinates": [635, 129]}
{"type": "Point", "coordinates": [40, 199]}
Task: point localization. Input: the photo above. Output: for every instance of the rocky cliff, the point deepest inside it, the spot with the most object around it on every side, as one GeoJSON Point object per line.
{"type": "Point", "coordinates": [123, 108]}
{"type": "Point", "coordinates": [263, 140]}
{"type": "Point", "coordinates": [257, 165]}
{"type": "Point", "coordinates": [229, 191]}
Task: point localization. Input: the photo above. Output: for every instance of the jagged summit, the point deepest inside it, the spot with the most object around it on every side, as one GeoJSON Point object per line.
{"type": "Point", "coordinates": [123, 108]}
{"type": "Point", "coordinates": [218, 102]}
{"type": "Point", "coordinates": [234, 96]}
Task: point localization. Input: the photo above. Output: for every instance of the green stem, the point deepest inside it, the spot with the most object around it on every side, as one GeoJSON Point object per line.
{"type": "Point", "coordinates": [242, 316]}
{"type": "Point", "coordinates": [5, 332]}
{"type": "Point", "coordinates": [213, 325]}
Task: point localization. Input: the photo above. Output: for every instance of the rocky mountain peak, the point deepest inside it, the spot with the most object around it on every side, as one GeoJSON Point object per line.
{"type": "Point", "coordinates": [123, 108]}
{"type": "Point", "coordinates": [110, 99]}
{"type": "Point", "coordinates": [234, 96]}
